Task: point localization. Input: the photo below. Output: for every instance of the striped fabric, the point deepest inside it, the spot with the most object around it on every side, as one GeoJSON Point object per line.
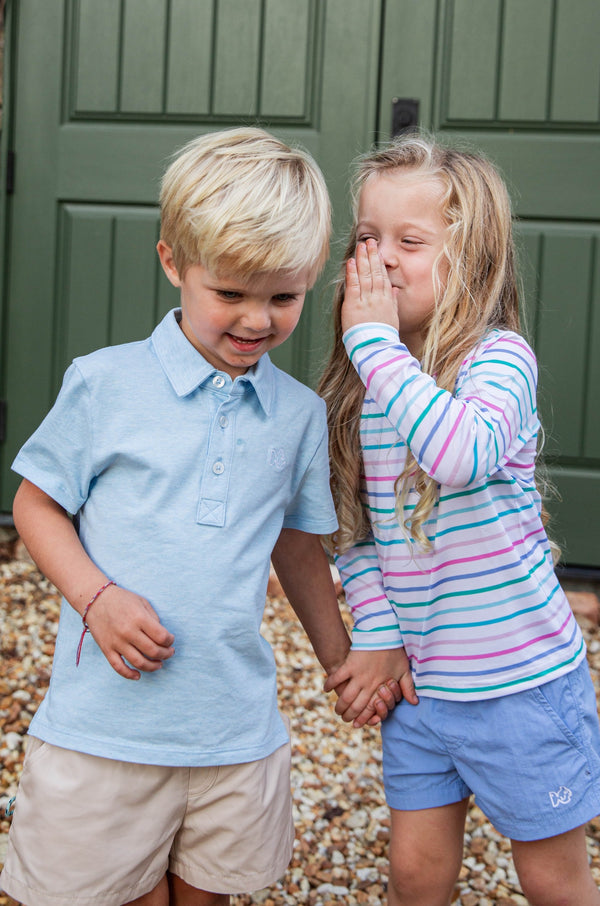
{"type": "Point", "coordinates": [482, 614]}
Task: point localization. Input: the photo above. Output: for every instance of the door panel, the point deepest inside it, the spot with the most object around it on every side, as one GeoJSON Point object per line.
{"type": "Point", "coordinates": [104, 93]}
{"type": "Point", "coordinates": [521, 81]}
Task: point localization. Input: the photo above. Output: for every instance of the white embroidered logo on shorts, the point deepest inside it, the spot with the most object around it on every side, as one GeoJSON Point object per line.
{"type": "Point", "coordinates": [561, 797]}
{"type": "Point", "coordinates": [276, 458]}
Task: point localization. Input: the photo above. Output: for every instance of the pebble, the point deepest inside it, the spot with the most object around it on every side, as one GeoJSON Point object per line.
{"type": "Point", "coordinates": [342, 821]}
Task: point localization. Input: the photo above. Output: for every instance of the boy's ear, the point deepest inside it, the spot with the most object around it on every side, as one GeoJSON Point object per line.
{"type": "Point", "coordinates": [165, 253]}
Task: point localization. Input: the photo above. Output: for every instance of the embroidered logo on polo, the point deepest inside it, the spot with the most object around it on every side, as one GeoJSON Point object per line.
{"type": "Point", "coordinates": [276, 458]}
{"type": "Point", "coordinates": [561, 797]}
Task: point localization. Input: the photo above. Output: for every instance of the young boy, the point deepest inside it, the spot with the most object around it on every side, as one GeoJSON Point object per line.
{"type": "Point", "coordinates": [158, 765]}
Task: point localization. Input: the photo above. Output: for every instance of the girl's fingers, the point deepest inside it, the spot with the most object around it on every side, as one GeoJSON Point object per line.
{"type": "Point", "coordinates": [364, 270]}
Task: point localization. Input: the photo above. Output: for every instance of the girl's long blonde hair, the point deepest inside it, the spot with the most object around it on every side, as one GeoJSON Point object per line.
{"type": "Point", "coordinates": [479, 292]}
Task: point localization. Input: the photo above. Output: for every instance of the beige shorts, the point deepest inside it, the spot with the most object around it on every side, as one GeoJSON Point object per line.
{"type": "Point", "coordinates": [90, 830]}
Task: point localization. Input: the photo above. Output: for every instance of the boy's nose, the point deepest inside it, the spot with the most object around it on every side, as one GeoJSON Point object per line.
{"type": "Point", "coordinates": [257, 317]}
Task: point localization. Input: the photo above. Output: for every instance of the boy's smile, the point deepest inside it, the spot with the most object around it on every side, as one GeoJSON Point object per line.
{"type": "Point", "coordinates": [232, 321]}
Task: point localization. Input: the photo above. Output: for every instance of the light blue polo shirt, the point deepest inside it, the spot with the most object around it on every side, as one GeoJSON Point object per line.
{"type": "Point", "coordinates": [180, 480]}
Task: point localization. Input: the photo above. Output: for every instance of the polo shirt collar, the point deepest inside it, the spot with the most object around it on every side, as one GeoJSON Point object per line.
{"type": "Point", "coordinates": [187, 369]}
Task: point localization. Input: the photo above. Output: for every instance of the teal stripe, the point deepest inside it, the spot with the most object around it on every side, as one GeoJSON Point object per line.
{"type": "Point", "coordinates": [505, 363]}
{"type": "Point", "coordinates": [364, 344]}
{"type": "Point", "coordinates": [422, 416]}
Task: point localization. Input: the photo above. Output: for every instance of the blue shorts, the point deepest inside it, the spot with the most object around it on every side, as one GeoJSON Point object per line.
{"type": "Point", "coordinates": [532, 759]}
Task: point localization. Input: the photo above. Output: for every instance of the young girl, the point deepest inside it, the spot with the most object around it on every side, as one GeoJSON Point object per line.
{"type": "Point", "coordinates": [431, 392]}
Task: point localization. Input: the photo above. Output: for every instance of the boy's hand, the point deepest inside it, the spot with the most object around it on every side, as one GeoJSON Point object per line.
{"type": "Point", "coordinates": [369, 294]}
{"type": "Point", "coordinates": [366, 688]}
{"type": "Point", "coordinates": [127, 628]}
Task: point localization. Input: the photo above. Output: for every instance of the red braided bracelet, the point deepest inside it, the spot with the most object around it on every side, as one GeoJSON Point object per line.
{"type": "Point", "coordinates": [86, 628]}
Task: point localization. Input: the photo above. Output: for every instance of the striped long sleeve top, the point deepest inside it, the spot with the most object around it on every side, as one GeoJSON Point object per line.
{"type": "Point", "coordinates": [481, 614]}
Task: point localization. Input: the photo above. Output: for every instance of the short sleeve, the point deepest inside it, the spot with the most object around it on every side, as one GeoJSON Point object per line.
{"type": "Point", "coordinates": [312, 509]}
{"type": "Point", "coordinates": [57, 458]}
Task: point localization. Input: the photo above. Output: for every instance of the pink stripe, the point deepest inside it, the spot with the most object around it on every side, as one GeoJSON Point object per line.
{"type": "Point", "coordinates": [488, 639]}
{"type": "Point", "coordinates": [449, 439]}
{"type": "Point", "coordinates": [370, 601]}
{"type": "Point", "coordinates": [386, 364]}
{"type": "Point", "coordinates": [478, 657]}
{"type": "Point", "coordinates": [484, 556]}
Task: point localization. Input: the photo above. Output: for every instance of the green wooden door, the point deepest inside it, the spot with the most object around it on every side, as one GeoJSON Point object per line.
{"type": "Point", "coordinates": [520, 79]}
{"type": "Point", "coordinates": [100, 95]}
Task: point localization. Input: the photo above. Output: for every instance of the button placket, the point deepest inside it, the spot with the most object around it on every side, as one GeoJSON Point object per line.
{"type": "Point", "coordinates": [217, 468]}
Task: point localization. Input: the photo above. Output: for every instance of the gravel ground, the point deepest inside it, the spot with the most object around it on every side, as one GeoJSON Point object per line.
{"type": "Point", "coordinates": [342, 825]}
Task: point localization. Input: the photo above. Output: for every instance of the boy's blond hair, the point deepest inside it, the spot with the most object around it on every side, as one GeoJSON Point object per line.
{"type": "Point", "coordinates": [242, 202]}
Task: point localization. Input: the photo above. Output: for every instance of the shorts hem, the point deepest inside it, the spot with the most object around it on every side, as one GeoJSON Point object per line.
{"type": "Point", "coordinates": [19, 890]}
{"type": "Point", "coordinates": [414, 802]}
{"type": "Point", "coordinates": [543, 830]}
{"type": "Point", "coordinates": [233, 883]}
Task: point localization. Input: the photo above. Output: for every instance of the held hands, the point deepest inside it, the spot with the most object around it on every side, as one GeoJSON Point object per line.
{"type": "Point", "coordinates": [127, 628]}
{"type": "Point", "coordinates": [365, 692]}
{"type": "Point", "coordinates": [369, 294]}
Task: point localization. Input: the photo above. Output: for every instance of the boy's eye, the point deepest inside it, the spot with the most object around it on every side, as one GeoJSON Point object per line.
{"type": "Point", "coordinates": [284, 297]}
{"type": "Point", "coordinates": [230, 295]}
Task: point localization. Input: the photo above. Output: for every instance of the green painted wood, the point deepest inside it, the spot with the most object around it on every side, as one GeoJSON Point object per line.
{"type": "Point", "coordinates": [576, 89]}
{"type": "Point", "coordinates": [237, 57]}
{"type": "Point", "coordinates": [285, 58]}
{"type": "Point", "coordinates": [135, 275]}
{"type": "Point", "coordinates": [143, 56]}
{"type": "Point", "coordinates": [190, 57]}
{"type": "Point", "coordinates": [29, 303]}
{"type": "Point", "coordinates": [563, 326]}
{"type": "Point", "coordinates": [95, 50]}
{"type": "Point", "coordinates": [85, 251]}
{"type": "Point", "coordinates": [408, 56]}
{"type": "Point", "coordinates": [473, 49]}
{"type": "Point", "coordinates": [575, 514]}
{"type": "Point", "coordinates": [348, 105]}
{"type": "Point", "coordinates": [528, 244]}
{"type": "Point", "coordinates": [553, 175]}
{"type": "Point", "coordinates": [591, 438]}
{"type": "Point", "coordinates": [525, 60]}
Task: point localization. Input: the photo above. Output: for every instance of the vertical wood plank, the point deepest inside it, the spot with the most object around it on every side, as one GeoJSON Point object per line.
{"type": "Point", "coordinates": [143, 65]}
{"type": "Point", "coordinates": [285, 56]}
{"type": "Point", "coordinates": [237, 57]}
{"type": "Point", "coordinates": [525, 60]}
{"type": "Point", "coordinates": [528, 244]}
{"type": "Point", "coordinates": [473, 59]}
{"type": "Point", "coordinates": [190, 51]}
{"type": "Point", "coordinates": [591, 445]}
{"type": "Point", "coordinates": [408, 57]}
{"type": "Point", "coordinates": [97, 64]}
{"type": "Point", "coordinates": [134, 275]}
{"type": "Point", "coordinates": [563, 326]}
{"type": "Point", "coordinates": [86, 257]}
{"type": "Point", "coordinates": [576, 90]}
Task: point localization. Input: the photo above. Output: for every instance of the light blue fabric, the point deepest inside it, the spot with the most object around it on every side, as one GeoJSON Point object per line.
{"type": "Point", "coordinates": [531, 758]}
{"type": "Point", "coordinates": [181, 481]}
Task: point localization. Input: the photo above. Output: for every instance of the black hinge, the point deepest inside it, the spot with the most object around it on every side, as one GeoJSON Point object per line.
{"type": "Point", "coordinates": [2, 421]}
{"type": "Point", "coordinates": [10, 172]}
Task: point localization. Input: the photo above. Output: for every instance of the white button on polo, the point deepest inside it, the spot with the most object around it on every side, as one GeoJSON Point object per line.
{"type": "Point", "coordinates": [223, 421]}
{"type": "Point", "coordinates": [218, 467]}
{"type": "Point", "coordinates": [219, 380]}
